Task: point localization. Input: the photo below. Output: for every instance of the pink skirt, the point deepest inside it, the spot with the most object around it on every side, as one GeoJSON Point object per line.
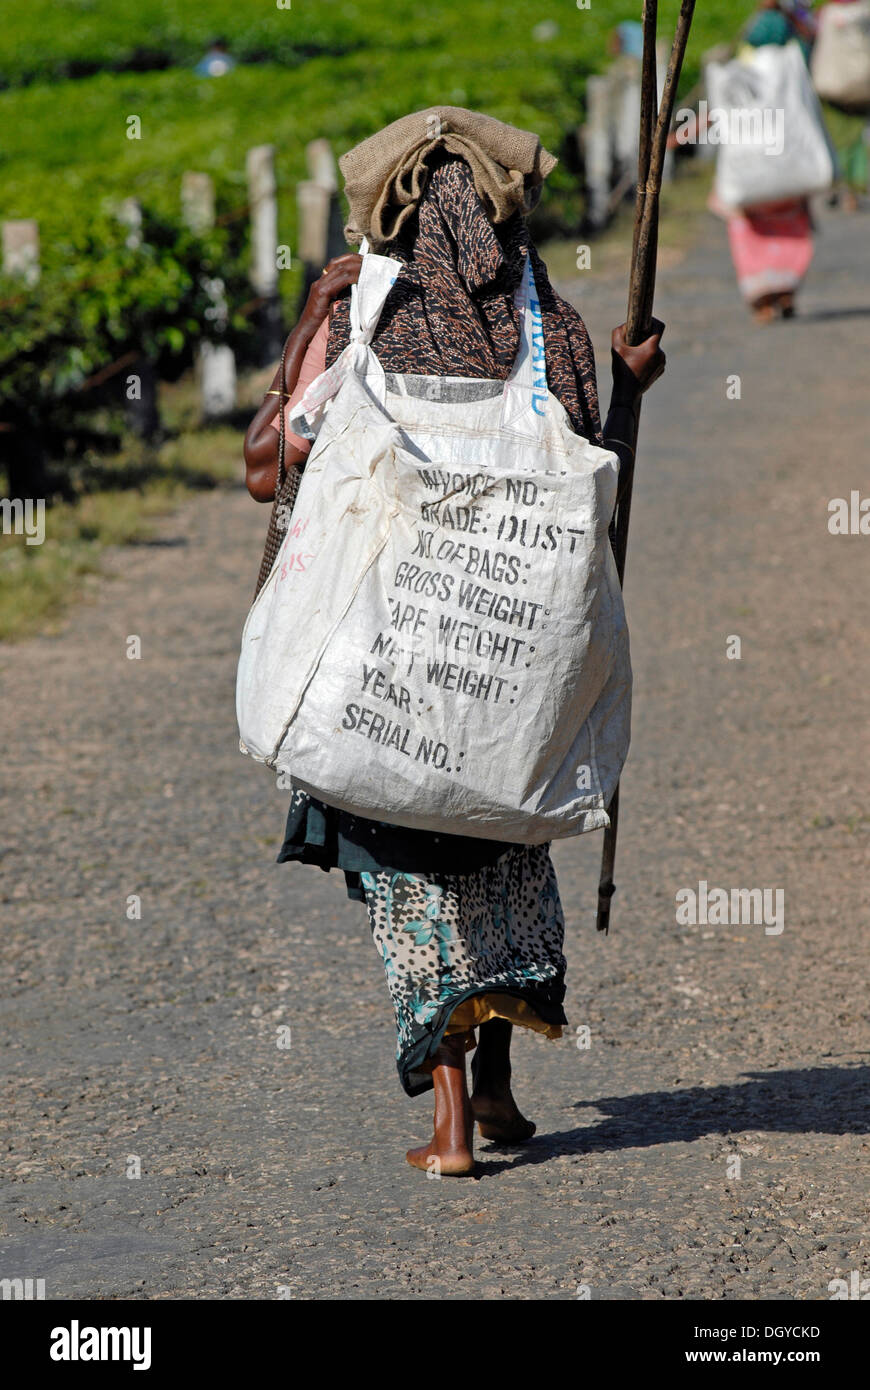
{"type": "Point", "coordinates": [772, 249]}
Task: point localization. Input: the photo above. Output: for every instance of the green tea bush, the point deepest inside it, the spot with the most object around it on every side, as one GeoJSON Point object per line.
{"type": "Point", "coordinates": [42, 40]}
{"type": "Point", "coordinates": [107, 294]}
{"type": "Point", "coordinates": [75, 71]}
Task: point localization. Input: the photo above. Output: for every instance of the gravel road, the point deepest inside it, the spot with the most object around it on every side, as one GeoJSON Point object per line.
{"type": "Point", "coordinates": [709, 1143]}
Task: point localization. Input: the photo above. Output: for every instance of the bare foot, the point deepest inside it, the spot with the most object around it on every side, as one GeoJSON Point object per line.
{"type": "Point", "coordinates": [449, 1153]}
{"type": "Point", "coordinates": [446, 1163]}
{"type": "Point", "coordinates": [764, 314]}
{"type": "Point", "coordinates": [492, 1103]}
{"type": "Point", "coordinates": [499, 1118]}
{"type": "Point", "coordinates": [765, 309]}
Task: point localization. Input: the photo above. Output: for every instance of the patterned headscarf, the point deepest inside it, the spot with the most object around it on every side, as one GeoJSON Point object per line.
{"type": "Point", "coordinates": [452, 312]}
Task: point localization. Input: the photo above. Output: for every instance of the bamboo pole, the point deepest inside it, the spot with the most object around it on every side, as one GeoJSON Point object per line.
{"type": "Point", "coordinates": [655, 123]}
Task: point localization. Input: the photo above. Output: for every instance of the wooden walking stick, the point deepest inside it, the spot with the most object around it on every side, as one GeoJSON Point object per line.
{"type": "Point", "coordinates": [655, 123]}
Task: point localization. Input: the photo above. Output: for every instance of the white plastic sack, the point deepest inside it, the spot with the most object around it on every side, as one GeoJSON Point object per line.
{"type": "Point", "coordinates": [441, 643]}
{"type": "Point", "coordinates": [775, 145]}
{"type": "Point", "coordinates": [841, 56]}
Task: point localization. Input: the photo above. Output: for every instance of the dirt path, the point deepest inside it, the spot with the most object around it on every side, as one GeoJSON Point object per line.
{"type": "Point", "coordinates": [265, 1169]}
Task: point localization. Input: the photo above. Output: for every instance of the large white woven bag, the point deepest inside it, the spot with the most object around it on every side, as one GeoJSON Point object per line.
{"type": "Point", "coordinates": [441, 643]}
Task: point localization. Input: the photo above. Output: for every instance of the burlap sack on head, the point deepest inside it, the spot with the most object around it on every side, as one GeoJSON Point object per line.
{"type": "Point", "coordinates": [386, 174]}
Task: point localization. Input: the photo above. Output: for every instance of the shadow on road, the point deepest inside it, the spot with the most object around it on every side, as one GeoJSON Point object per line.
{"type": "Point", "coordinates": [823, 315]}
{"type": "Point", "coordinates": [818, 1100]}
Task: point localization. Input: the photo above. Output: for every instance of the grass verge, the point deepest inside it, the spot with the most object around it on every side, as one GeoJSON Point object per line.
{"type": "Point", "coordinates": [126, 496]}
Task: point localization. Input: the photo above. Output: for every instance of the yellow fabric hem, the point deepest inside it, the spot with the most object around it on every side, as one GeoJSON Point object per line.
{"type": "Point", "coordinates": [480, 1008]}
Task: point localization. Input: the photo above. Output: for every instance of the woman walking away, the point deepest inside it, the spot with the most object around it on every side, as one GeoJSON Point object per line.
{"type": "Point", "coordinates": [772, 247]}
{"type": "Point", "coordinates": [470, 930]}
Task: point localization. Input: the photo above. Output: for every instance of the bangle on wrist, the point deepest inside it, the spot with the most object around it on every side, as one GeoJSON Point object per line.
{"type": "Point", "coordinates": [623, 443]}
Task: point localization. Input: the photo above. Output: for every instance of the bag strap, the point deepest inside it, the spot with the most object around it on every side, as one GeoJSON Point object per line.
{"type": "Point", "coordinates": [282, 405]}
{"type": "Point", "coordinates": [525, 400]}
{"type": "Point", "coordinates": [377, 276]}
{"type": "Point", "coordinates": [525, 396]}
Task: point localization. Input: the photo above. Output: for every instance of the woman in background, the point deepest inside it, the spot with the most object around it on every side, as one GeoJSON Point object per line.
{"type": "Point", "coordinates": [772, 247]}
{"type": "Point", "coordinates": [850, 131]}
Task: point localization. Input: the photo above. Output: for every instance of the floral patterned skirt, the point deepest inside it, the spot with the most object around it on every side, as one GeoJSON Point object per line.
{"type": "Point", "coordinates": [461, 949]}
